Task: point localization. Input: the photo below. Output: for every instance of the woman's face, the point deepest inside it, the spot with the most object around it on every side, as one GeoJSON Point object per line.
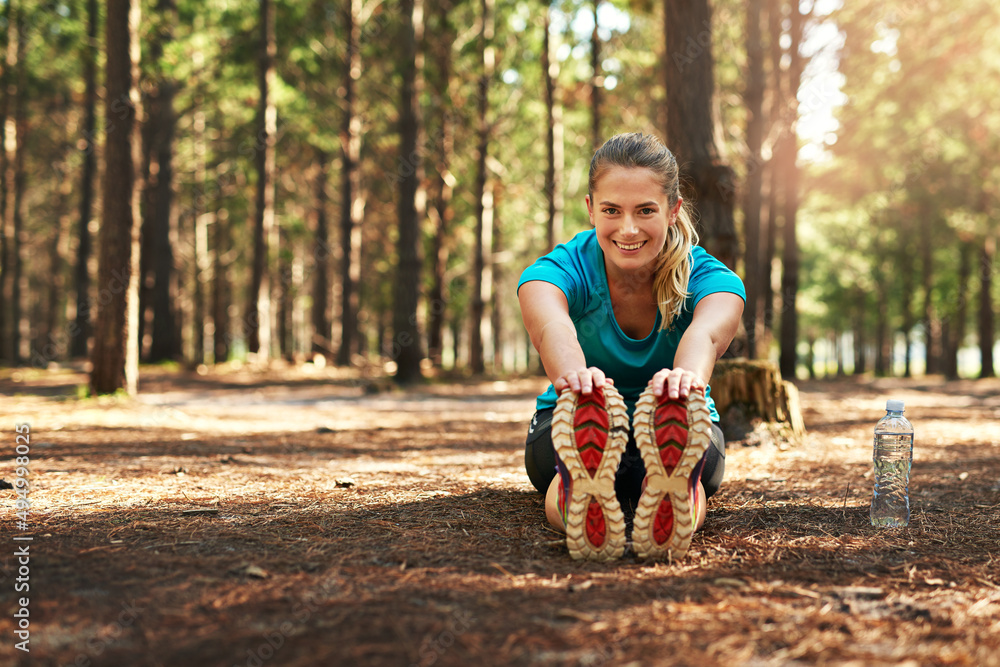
{"type": "Point", "coordinates": [629, 210]}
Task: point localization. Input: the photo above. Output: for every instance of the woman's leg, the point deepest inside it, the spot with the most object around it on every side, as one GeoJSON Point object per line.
{"type": "Point", "coordinates": [539, 455]}
{"type": "Point", "coordinates": [552, 512]}
{"type": "Point", "coordinates": [715, 462]}
{"type": "Point", "coordinates": [712, 470]}
{"type": "Point", "coordinates": [700, 506]}
{"type": "Point", "coordinates": [540, 464]}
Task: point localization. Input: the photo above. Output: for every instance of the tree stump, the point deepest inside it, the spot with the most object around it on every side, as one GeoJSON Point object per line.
{"type": "Point", "coordinates": [749, 392]}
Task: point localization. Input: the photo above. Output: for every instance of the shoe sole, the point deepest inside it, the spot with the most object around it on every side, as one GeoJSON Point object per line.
{"type": "Point", "coordinates": [672, 435]}
{"type": "Point", "coordinates": [589, 434]}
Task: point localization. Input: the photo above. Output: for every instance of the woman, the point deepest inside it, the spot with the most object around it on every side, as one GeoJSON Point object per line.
{"type": "Point", "coordinates": [629, 319]}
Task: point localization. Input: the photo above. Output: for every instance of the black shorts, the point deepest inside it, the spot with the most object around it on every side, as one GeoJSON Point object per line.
{"type": "Point", "coordinates": [540, 462]}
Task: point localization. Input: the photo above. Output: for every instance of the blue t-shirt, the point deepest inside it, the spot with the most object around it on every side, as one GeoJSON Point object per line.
{"type": "Point", "coordinates": [577, 268]}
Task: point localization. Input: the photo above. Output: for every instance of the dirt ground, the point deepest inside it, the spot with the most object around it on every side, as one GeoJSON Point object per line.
{"type": "Point", "coordinates": [297, 518]}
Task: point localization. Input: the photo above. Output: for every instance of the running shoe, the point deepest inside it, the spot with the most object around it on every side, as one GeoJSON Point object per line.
{"type": "Point", "coordinates": [589, 434]}
{"type": "Point", "coordinates": [672, 435]}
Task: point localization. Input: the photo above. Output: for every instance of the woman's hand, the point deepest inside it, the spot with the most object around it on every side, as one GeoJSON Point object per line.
{"type": "Point", "coordinates": [676, 382]}
{"type": "Point", "coordinates": [582, 380]}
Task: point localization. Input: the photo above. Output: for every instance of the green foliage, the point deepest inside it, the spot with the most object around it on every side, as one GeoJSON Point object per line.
{"type": "Point", "coordinates": [916, 162]}
{"type": "Point", "coordinates": [914, 159]}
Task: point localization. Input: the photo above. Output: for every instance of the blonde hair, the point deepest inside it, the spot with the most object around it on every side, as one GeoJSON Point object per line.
{"type": "Point", "coordinates": [673, 265]}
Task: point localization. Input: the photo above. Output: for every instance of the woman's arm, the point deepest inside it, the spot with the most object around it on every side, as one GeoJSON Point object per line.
{"type": "Point", "coordinates": [546, 317]}
{"type": "Point", "coordinates": [713, 327]}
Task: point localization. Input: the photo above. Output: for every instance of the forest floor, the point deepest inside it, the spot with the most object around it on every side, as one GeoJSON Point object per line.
{"type": "Point", "coordinates": [299, 519]}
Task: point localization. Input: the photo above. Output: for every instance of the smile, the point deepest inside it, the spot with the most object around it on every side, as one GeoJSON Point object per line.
{"type": "Point", "coordinates": [629, 246]}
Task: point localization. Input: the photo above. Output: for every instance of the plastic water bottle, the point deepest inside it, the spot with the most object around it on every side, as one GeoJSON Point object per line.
{"type": "Point", "coordinates": [893, 456]}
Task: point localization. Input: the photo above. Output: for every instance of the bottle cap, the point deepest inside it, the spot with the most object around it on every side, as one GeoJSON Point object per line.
{"type": "Point", "coordinates": [894, 405]}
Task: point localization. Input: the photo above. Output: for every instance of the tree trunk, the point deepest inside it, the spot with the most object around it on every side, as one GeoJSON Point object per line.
{"type": "Point", "coordinates": [860, 339]}
{"type": "Point", "coordinates": [770, 231]}
{"type": "Point", "coordinates": [879, 271]}
{"type": "Point", "coordinates": [20, 324]}
{"type": "Point", "coordinates": [299, 335]}
{"type": "Point", "coordinates": [596, 82]}
{"type": "Point", "coordinates": [6, 185]}
{"type": "Point", "coordinates": [321, 325]}
{"type": "Point", "coordinates": [553, 140]}
{"type": "Point", "coordinates": [905, 263]}
{"type": "Point", "coordinates": [164, 344]}
{"type": "Point", "coordinates": [811, 357]}
{"type": "Point", "coordinates": [947, 340]}
{"type": "Point", "coordinates": [157, 288]}
{"type": "Point", "coordinates": [116, 235]}
{"type": "Point", "coordinates": [138, 184]}
{"type": "Point", "coordinates": [754, 97]}
{"type": "Point", "coordinates": [496, 280]}
{"type": "Point", "coordinates": [286, 295]}
{"type": "Point", "coordinates": [352, 202]}
{"type": "Point", "coordinates": [81, 329]}
{"type": "Point", "coordinates": [258, 315]}
{"type": "Point", "coordinates": [47, 338]}
{"type": "Point", "coordinates": [986, 332]}
{"type": "Point", "coordinates": [691, 126]}
{"type": "Point", "coordinates": [383, 334]}
{"type": "Point", "coordinates": [839, 352]}
{"type": "Point", "coordinates": [790, 248]}
{"type": "Point", "coordinates": [13, 186]}
{"type": "Point", "coordinates": [483, 197]}
{"type": "Point", "coordinates": [202, 262]}
{"type": "Point", "coordinates": [442, 212]}
{"type": "Point", "coordinates": [956, 333]}
{"type": "Point", "coordinates": [747, 390]}
{"type": "Point", "coordinates": [883, 338]}
{"type": "Point", "coordinates": [221, 289]}
{"type": "Point", "coordinates": [201, 322]}
{"type": "Point", "coordinates": [456, 338]}
{"type": "Point", "coordinates": [406, 330]}
{"type": "Point", "coordinates": [928, 319]}
{"type": "Point", "coordinates": [146, 276]}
